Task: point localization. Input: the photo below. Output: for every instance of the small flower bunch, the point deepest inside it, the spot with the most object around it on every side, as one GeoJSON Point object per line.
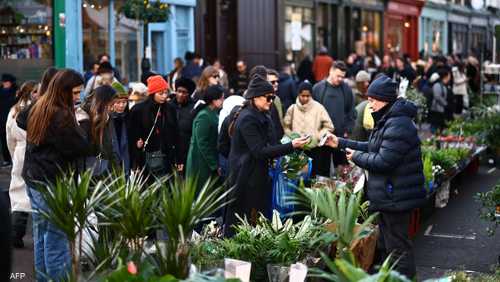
{"type": "Point", "coordinates": [437, 170]}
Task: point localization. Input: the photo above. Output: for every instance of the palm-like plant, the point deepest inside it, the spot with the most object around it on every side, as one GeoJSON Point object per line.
{"type": "Point", "coordinates": [182, 208]}
{"type": "Point", "coordinates": [70, 201]}
{"type": "Point", "coordinates": [131, 214]}
{"type": "Point", "coordinates": [345, 271]}
{"type": "Point", "coordinates": [342, 210]}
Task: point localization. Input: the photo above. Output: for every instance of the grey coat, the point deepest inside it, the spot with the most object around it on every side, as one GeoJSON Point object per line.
{"type": "Point", "coordinates": [439, 93]}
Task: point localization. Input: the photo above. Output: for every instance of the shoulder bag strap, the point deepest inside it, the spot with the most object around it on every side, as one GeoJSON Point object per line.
{"type": "Point", "coordinates": [152, 129]}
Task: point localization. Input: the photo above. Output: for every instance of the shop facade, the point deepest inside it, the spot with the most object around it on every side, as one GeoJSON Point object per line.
{"type": "Point", "coordinates": [401, 27]}
{"type": "Point", "coordinates": [364, 26]}
{"type": "Point", "coordinates": [433, 28]}
{"type": "Point", "coordinates": [72, 33]}
{"type": "Point", "coordinates": [26, 38]}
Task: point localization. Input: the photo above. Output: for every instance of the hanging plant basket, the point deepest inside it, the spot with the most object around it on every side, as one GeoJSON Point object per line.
{"type": "Point", "coordinates": [147, 11]}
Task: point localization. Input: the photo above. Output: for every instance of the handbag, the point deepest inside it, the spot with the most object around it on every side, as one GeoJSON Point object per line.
{"type": "Point", "coordinates": [154, 161]}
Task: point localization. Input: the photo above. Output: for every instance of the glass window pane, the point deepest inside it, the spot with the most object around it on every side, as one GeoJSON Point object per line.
{"type": "Point", "coordinates": [26, 29]}
{"type": "Point", "coordinates": [126, 46]}
{"type": "Point", "coordinates": [95, 31]}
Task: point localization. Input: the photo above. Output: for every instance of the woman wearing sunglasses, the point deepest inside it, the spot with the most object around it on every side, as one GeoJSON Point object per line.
{"type": "Point", "coordinates": [210, 76]}
{"type": "Point", "coordinates": [253, 146]}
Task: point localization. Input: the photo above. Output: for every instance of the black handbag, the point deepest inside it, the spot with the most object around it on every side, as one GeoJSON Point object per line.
{"type": "Point", "coordinates": [155, 162]}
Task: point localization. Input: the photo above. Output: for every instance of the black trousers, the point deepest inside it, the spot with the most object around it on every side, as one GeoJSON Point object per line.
{"type": "Point", "coordinates": [320, 161]}
{"type": "Point", "coordinates": [19, 223]}
{"type": "Point", "coordinates": [5, 149]}
{"type": "Point", "coordinates": [394, 241]}
{"type": "Point", "coordinates": [5, 238]}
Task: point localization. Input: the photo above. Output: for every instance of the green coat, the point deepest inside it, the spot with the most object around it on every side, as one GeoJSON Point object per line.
{"type": "Point", "coordinates": [202, 161]}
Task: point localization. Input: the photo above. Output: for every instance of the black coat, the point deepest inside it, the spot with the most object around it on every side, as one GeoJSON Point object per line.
{"type": "Point", "coordinates": [252, 149]}
{"type": "Point", "coordinates": [287, 91]}
{"type": "Point", "coordinates": [393, 159]}
{"type": "Point", "coordinates": [65, 144]}
{"type": "Point", "coordinates": [185, 117]}
{"type": "Point", "coordinates": [165, 136]}
{"type": "Point", "coordinates": [5, 238]}
{"type": "Point", "coordinates": [7, 100]}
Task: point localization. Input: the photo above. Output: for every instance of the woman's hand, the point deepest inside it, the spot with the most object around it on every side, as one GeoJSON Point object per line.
{"type": "Point", "coordinates": [332, 141]}
{"type": "Point", "coordinates": [140, 144]}
{"type": "Point", "coordinates": [300, 142]}
{"type": "Point", "coordinates": [349, 154]}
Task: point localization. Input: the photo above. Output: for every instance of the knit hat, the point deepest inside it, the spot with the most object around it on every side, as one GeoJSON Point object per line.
{"type": "Point", "coordinates": [8, 77]}
{"type": "Point", "coordinates": [258, 87]}
{"type": "Point", "coordinates": [383, 89]}
{"type": "Point", "coordinates": [258, 70]}
{"type": "Point", "coordinates": [213, 92]}
{"type": "Point", "coordinates": [185, 83]}
{"type": "Point", "coordinates": [362, 76]}
{"type": "Point", "coordinates": [305, 85]}
{"type": "Point", "coordinates": [120, 90]}
{"type": "Point", "coordinates": [156, 84]}
{"type": "Point", "coordinates": [104, 93]}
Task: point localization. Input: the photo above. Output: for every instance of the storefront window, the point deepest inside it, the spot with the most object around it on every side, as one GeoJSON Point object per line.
{"type": "Point", "coordinates": [433, 36]}
{"type": "Point", "coordinates": [126, 48]}
{"type": "Point", "coordinates": [323, 26]}
{"type": "Point", "coordinates": [26, 37]}
{"type": "Point", "coordinates": [95, 16]}
{"type": "Point", "coordinates": [299, 26]}
{"type": "Point", "coordinates": [394, 35]}
{"type": "Point", "coordinates": [478, 39]}
{"type": "Point", "coordinates": [370, 33]}
{"type": "Point", "coordinates": [95, 30]}
{"type": "Point", "coordinates": [459, 38]}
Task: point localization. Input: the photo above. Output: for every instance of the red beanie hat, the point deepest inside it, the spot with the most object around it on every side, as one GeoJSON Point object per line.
{"type": "Point", "coordinates": [156, 84]}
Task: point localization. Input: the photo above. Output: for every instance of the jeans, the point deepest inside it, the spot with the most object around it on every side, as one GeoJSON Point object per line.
{"type": "Point", "coordinates": [51, 246]}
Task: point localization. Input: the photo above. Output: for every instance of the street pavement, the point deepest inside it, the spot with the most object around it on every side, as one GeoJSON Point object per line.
{"type": "Point", "coordinates": [454, 238]}
{"type": "Point", "coordinates": [466, 246]}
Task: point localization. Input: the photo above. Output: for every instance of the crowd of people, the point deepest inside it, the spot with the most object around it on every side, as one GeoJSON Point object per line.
{"type": "Point", "coordinates": [203, 122]}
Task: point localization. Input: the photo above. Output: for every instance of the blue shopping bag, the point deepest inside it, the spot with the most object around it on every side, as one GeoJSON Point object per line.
{"type": "Point", "coordinates": [284, 188]}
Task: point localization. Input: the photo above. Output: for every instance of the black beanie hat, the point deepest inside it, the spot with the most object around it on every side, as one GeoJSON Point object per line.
{"type": "Point", "coordinates": [258, 70]}
{"type": "Point", "coordinates": [212, 93]}
{"type": "Point", "coordinates": [383, 89]}
{"type": "Point", "coordinates": [305, 85]}
{"type": "Point", "coordinates": [258, 87]}
{"type": "Point", "coordinates": [8, 77]}
{"type": "Point", "coordinates": [185, 83]}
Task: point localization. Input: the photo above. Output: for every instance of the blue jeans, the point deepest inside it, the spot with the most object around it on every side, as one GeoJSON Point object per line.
{"type": "Point", "coordinates": [51, 246]}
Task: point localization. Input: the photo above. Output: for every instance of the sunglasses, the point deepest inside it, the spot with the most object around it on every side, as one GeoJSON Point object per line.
{"type": "Point", "coordinates": [273, 82]}
{"type": "Point", "coordinates": [270, 98]}
{"type": "Point", "coordinates": [215, 76]}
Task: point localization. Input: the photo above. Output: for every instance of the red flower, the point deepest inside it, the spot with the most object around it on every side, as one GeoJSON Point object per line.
{"type": "Point", "coordinates": [132, 269]}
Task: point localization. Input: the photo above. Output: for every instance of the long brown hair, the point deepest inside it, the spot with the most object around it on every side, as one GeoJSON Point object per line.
{"type": "Point", "coordinates": [46, 78]}
{"type": "Point", "coordinates": [102, 97]}
{"type": "Point", "coordinates": [205, 75]}
{"type": "Point", "coordinates": [23, 96]}
{"type": "Point", "coordinates": [57, 98]}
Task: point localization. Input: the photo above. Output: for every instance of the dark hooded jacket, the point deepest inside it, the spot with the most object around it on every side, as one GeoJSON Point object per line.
{"type": "Point", "coordinates": [393, 159]}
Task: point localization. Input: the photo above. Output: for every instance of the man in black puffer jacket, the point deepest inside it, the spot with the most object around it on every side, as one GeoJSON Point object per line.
{"type": "Point", "coordinates": [393, 161]}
